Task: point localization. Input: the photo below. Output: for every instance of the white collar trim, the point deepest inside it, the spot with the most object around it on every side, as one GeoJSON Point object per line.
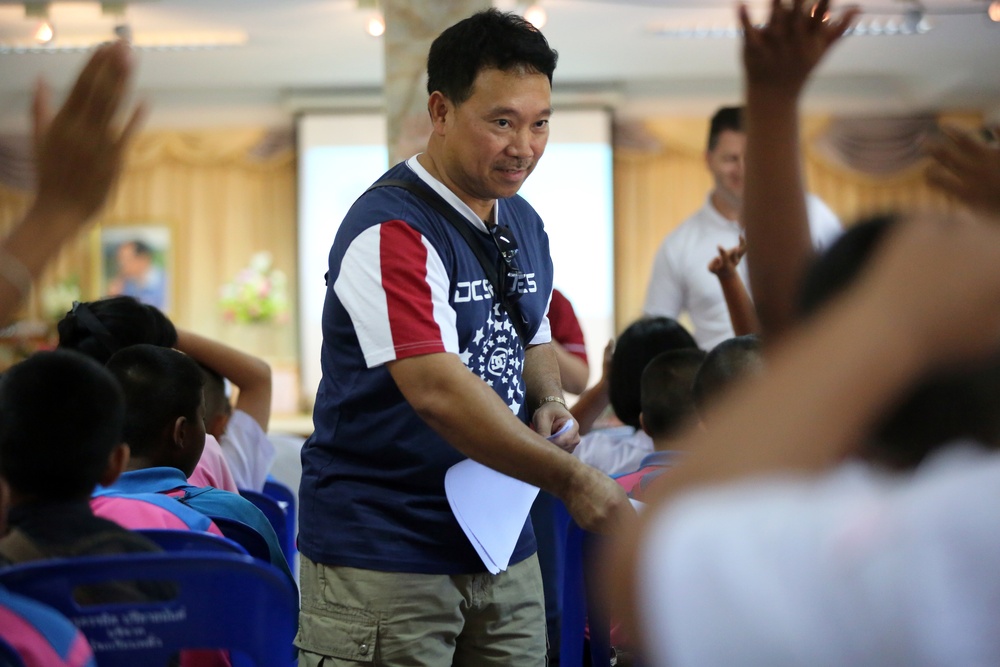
{"type": "Point", "coordinates": [450, 196]}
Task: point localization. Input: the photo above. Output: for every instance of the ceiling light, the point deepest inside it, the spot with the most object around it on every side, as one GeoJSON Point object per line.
{"type": "Point", "coordinates": [376, 25]}
{"type": "Point", "coordinates": [994, 11]}
{"type": "Point", "coordinates": [536, 16]}
{"type": "Point", "coordinates": [45, 32]}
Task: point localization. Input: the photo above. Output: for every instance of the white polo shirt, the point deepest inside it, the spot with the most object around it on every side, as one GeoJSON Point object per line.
{"type": "Point", "coordinates": [681, 281]}
{"type": "Point", "coordinates": [856, 567]}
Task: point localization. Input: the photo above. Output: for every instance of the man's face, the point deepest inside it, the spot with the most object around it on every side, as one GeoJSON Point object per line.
{"type": "Point", "coordinates": [725, 161]}
{"type": "Point", "coordinates": [494, 139]}
{"type": "Point", "coordinates": [127, 260]}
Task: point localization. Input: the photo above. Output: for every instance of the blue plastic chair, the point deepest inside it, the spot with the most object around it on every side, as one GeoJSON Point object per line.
{"type": "Point", "coordinates": [191, 540]}
{"type": "Point", "coordinates": [278, 518]}
{"type": "Point", "coordinates": [580, 605]}
{"type": "Point", "coordinates": [223, 601]}
{"type": "Point", "coordinates": [245, 536]}
{"type": "Point", "coordinates": [287, 500]}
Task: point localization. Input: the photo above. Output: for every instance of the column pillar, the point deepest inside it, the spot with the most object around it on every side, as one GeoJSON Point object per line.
{"type": "Point", "coordinates": [410, 27]}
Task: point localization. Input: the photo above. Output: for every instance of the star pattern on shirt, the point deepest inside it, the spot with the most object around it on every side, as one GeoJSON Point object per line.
{"type": "Point", "coordinates": [494, 353]}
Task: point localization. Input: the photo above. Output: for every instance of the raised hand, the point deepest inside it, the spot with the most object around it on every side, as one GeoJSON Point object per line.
{"type": "Point", "coordinates": [725, 263]}
{"type": "Point", "coordinates": [966, 168]}
{"type": "Point", "coordinates": [782, 53]}
{"type": "Point", "coordinates": [79, 151]}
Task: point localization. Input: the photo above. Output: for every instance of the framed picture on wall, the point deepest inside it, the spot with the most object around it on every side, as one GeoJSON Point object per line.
{"type": "Point", "coordinates": [136, 260]}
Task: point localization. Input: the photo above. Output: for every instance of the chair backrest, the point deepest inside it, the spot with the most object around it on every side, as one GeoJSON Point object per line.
{"type": "Point", "coordinates": [245, 536]}
{"type": "Point", "coordinates": [190, 540]}
{"type": "Point", "coordinates": [286, 499]}
{"type": "Point", "coordinates": [580, 605]}
{"type": "Point", "coordinates": [223, 601]}
{"type": "Point", "coordinates": [277, 516]}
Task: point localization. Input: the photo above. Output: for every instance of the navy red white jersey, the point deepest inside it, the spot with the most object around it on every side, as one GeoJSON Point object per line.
{"type": "Point", "coordinates": [403, 282]}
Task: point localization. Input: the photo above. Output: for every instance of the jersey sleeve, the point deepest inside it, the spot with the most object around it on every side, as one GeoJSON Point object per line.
{"type": "Point", "coordinates": [394, 286]}
{"type": "Point", "coordinates": [565, 326]}
{"type": "Point", "coordinates": [544, 333]}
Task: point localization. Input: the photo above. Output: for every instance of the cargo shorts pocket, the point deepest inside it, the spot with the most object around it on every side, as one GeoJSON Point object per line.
{"type": "Point", "coordinates": [339, 632]}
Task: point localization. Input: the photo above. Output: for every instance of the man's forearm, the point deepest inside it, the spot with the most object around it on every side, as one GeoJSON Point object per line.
{"type": "Point", "coordinates": [541, 375]}
{"type": "Point", "coordinates": [474, 420]}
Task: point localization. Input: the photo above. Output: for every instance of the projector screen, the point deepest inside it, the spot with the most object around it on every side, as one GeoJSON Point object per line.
{"type": "Point", "coordinates": [340, 155]}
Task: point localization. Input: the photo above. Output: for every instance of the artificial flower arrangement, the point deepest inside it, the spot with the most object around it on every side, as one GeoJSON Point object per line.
{"type": "Point", "coordinates": [258, 294]}
{"type": "Point", "coordinates": [57, 299]}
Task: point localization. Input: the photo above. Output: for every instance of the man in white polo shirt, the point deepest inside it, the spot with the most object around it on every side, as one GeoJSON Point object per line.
{"type": "Point", "coordinates": [681, 281]}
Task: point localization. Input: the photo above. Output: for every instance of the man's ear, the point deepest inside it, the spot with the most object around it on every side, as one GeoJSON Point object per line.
{"type": "Point", "coordinates": [439, 107]}
{"type": "Point", "coordinates": [117, 462]}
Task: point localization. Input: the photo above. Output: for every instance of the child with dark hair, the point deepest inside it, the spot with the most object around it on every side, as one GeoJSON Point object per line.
{"type": "Point", "coordinates": [620, 450]}
{"type": "Point", "coordinates": [100, 328]}
{"type": "Point", "coordinates": [165, 428]}
{"type": "Point", "coordinates": [728, 362]}
{"type": "Point", "coordinates": [667, 406]}
{"type": "Point", "coordinates": [61, 417]}
{"type": "Point", "coordinates": [238, 455]}
{"type": "Point", "coordinates": [240, 429]}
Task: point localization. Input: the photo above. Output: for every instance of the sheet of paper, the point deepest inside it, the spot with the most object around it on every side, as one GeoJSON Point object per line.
{"type": "Point", "coordinates": [490, 507]}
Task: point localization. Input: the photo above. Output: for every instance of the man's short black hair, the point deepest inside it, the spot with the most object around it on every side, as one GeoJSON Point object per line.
{"type": "Point", "coordinates": [730, 360]}
{"type": "Point", "coordinates": [487, 40]}
{"type": "Point", "coordinates": [636, 347]}
{"type": "Point", "coordinates": [141, 248]}
{"type": "Point", "coordinates": [100, 328]}
{"type": "Point", "coordinates": [667, 396]}
{"type": "Point", "coordinates": [726, 118]}
{"type": "Point", "coordinates": [160, 385]}
{"type": "Point", "coordinates": [945, 406]}
{"type": "Point", "coordinates": [61, 416]}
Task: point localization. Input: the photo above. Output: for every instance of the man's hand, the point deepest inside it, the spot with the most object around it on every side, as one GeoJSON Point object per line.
{"type": "Point", "coordinates": [551, 417]}
{"type": "Point", "coordinates": [79, 152]}
{"type": "Point", "coordinates": [724, 265]}
{"type": "Point", "coordinates": [966, 168]}
{"type": "Point", "coordinates": [596, 502]}
{"type": "Point", "coordinates": [781, 54]}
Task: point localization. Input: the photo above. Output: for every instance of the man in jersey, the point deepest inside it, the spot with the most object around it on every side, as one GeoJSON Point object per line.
{"type": "Point", "coordinates": [387, 574]}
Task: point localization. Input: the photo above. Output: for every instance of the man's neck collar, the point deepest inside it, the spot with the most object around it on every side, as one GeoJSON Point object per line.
{"type": "Point", "coordinates": [423, 166]}
{"type": "Point", "coordinates": [724, 207]}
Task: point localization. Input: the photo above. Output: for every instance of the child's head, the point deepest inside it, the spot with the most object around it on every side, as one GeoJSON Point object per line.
{"type": "Point", "coordinates": [100, 328]}
{"type": "Point", "coordinates": [948, 405]}
{"type": "Point", "coordinates": [636, 347]}
{"type": "Point", "coordinates": [730, 360]}
{"type": "Point", "coordinates": [667, 398]}
{"type": "Point", "coordinates": [164, 406]}
{"type": "Point", "coordinates": [61, 418]}
{"type": "Point", "coordinates": [218, 409]}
